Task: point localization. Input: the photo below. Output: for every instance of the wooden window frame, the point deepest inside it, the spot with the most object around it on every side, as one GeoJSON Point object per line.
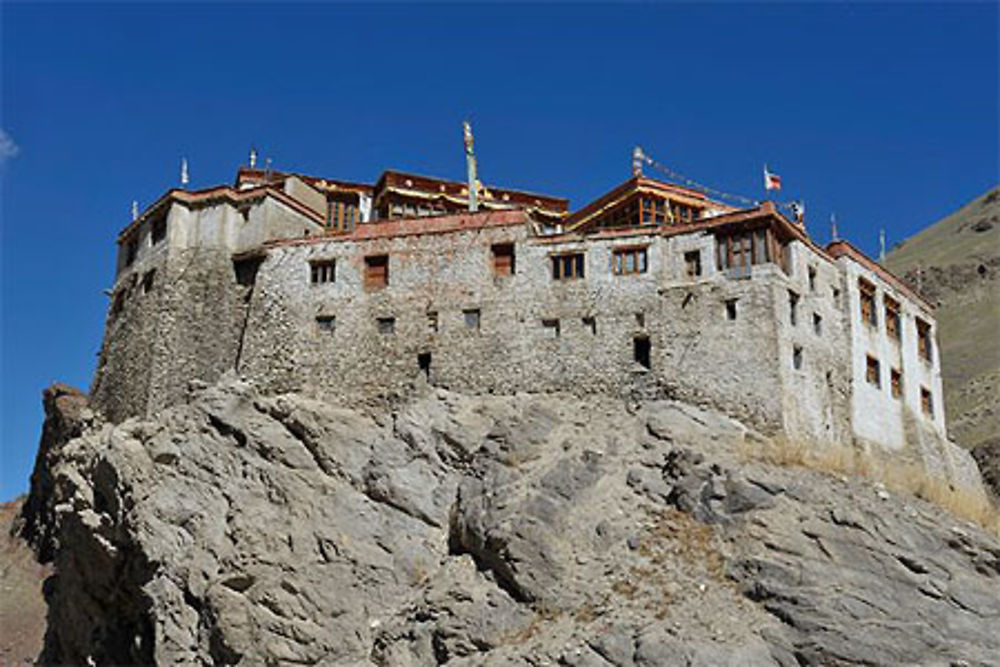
{"type": "Point", "coordinates": [927, 401]}
{"type": "Point", "coordinates": [639, 256]}
{"type": "Point", "coordinates": [893, 322]}
{"type": "Point", "coordinates": [866, 296]}
{"type": "Point", "coordinates": [375, 278]}
{"type": "Point", "coordinates": [873, 371]}
{"type": "Point", "coordinates": [504, 259]}
{"type": "Point", "coordinates": [473, 318]}
{"type": "Point", "coordinates": [692, 263]}
{"type": "Point", "coordinates": [568, 265]}
{"type": "Point", "coordinates": [924, 340]}
{"type": "Point", "coordinates": [322, 271]}
{"type": "Point", "coordinates": [386, 325]}
{"type": "Point", "coordinates": [896, 382]}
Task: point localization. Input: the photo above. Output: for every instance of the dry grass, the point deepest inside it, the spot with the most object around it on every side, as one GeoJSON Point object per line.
{"type": "Point", "coordinates": [900, 476]}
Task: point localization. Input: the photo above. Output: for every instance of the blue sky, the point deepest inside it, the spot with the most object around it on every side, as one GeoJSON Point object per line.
{"type": "Point", "coordinates": [884, 114]}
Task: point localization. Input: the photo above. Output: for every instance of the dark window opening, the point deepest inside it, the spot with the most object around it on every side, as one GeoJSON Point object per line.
{"type": "Point", "coordinates": [867, 292]}
{"type": "Point", "coordinates": [472, 318]}
{"type": "Point", "coordinates": [692, 261]}
{"type": "Point", "coordinates": [503, 259]}
{"type": "Point", "coordinates": [896, 381]}
{"type": "Point", "coordinates": [245, 270]}
{"type": "Point", "coordinates": [818, 324]}
{"type": "Point", "coordinates": [926, 401]}
{"type": "Point", "coordinates": [131, 250]}
{"type": "Point", "coordinates": [551, 328]}
{"type": "Point", "coordinates": [640, 351]}
{"type": "Point", "coordinates": [731, 309]}
{"type": "Point", "coordinates": [892, 321]}
{"type": "Point", "coordinates": [376, 271]}
{"type": "Point", "coordinates": [836, 296]}
{"type": "Point", "coordinates": [797, 357]}
{"type": "Point", "coordinates": [424, 363]}
{"type": "Point", "coordinates": [640, 320]}
{"type": "Point", "coordinates": [387, 325]}
{"type": "Point", "coordinates": [872, 371]}
{"type": "Point", "coordinates": [432, 321]}
{"type": "Point", "coordinates": [322, 271]}
{"type": "Point", "coordinates": [159, 230]}
{"type": "Point", "coordinates": [924, 342]}
{"type": "Point", "coordinates": [326, 323]}
{"type": "Point", "coordinates": [812, 278]}
{"type": "Point", "coordinates": [793, 308]}
{"type": "Point", "coordinates": [565, 267]}
{"type": "Point", "coordinates": [590, 324]}
{"type": "Point", "coordinates": [147, 281]}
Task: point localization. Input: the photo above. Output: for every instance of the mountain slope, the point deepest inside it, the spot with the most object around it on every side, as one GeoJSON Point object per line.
{"type": "Point", "coordinates": [955, 263]}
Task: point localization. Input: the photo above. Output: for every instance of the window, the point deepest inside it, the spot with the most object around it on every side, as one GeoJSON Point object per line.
{"type": "Point", "coordinates": [692, 260]}
{"type": "Point", "coordinates": [432, 321]}
{"type": "Point", "coordinates": [551, 328]}
{"type": "Point", "coordinates": [503, 259]}
{"type": "Point", "coordinates": [818, 324]}
{"type": "Point", "coordinates": [896, 382]}
{"type": "Point", "coordinates": [797, 358]}
{"type": "Point", "coordinates": [627, 261]}
{"type": "Point", "coordinates": [872, 371]}
{"type": "Point", "coordinates": [640, 351]}
{"type": "Point", "coordinates": [147, 281]}
{"type": "Point", "coordinates": [566, 267]}
{"type": "Point", "coordinates": [737, 251]}
{"type": "Point", "coordinates": [376, 271]}
{"type": "Point", "coordinates": [812, 278]}
{"type": "Point", "coordinates": [325, 323]}
{"type": "Point", "coordinates": [793, 308]}
{"type": "Point", "coordinates": [926, 401]}
{"type": "Point", "coordinates": [590, 324]}
{"type": "Point", "coordinates": [424, 363]}
{"type": "Point", "coordinates": [343, 216]}
{"type": "Point", "coordinates": [387, 325]}
{"type": "Point", "coordinates": [892, 323]}
{"type": "Point", "coordinates": [245, 270]}
{"type": "Point", "coordinates": [159, 230]}
{"type": "Point", "coordinates": [731, 309]}
{"type": "Point", "coordinates": [640, 320]}
{"type": "Point", "coordinates": [867, 291]}
{"type": "Point", "coordinates": [322, 271]}
{"type": "Point", "coordinates": [835, 292]}
{"type": "Point", "coordinates": [471, 318]}
{"type": "Point", "coordinates": [131, 250]}
{"type": "Point", "coordinates": [924, 339]}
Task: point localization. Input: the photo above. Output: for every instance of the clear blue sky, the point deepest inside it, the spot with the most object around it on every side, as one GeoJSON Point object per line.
{"type": "Point", "coordinates": [886, 115]}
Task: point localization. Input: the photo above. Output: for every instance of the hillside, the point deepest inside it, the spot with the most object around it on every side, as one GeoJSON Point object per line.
{"type": "Point", "coordinates": [515, 530]}
{"type": "Point", "coordinates": [955, 263]}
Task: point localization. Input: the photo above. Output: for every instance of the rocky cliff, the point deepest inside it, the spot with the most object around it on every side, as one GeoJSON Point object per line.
{"type": "Point", "coordinates": [529, 529]}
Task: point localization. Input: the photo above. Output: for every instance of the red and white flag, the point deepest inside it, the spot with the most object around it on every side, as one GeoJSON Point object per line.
{"type": "Point", "coordinates": [771, 181]}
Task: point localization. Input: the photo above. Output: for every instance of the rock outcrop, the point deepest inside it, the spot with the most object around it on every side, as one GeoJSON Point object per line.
{"type": "Point", "coordinates": [523, 529]}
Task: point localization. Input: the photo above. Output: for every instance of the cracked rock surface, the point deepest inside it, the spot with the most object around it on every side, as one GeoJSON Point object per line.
{"type": "Point", "coordinates": [529, 529]}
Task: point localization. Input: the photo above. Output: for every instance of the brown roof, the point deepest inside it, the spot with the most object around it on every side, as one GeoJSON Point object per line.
{"type": "Point", "coordinates": [400, 227]}
{"type": "Point", "coordinates": [843, 248]}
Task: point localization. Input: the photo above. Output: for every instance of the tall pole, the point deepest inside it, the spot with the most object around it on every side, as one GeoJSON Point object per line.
{"type": "Point", "coordinates": [470, 163]}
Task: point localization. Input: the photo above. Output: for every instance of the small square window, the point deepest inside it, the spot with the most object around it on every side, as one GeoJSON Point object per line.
{"type": "Point", "coordinates": [692, 262]}
{"type": "Point", "coordinates": [590, 324]}
{"type": "Point", "coordinates": [471, 318]}
{"type": "Point", "coordinates": [566, 267]}
{"type": "Point", "coordinates": [387, 325]}
{"type": "Point", "coordinates": [376, 271]}
{"type": "Point", "coordinates": [551, 328]}
{"type": "Point", "coordinates": [326, 323]}
{"type": "Point", "coordinates": [503, 259]}
{"type": "Point", "coordinates": [322, 271]}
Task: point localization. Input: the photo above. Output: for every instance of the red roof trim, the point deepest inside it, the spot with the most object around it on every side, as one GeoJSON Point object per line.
{"type": "Point", "coordinates": [403, 227]}
{"type": "Point", "coordinates": [841, 248]}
